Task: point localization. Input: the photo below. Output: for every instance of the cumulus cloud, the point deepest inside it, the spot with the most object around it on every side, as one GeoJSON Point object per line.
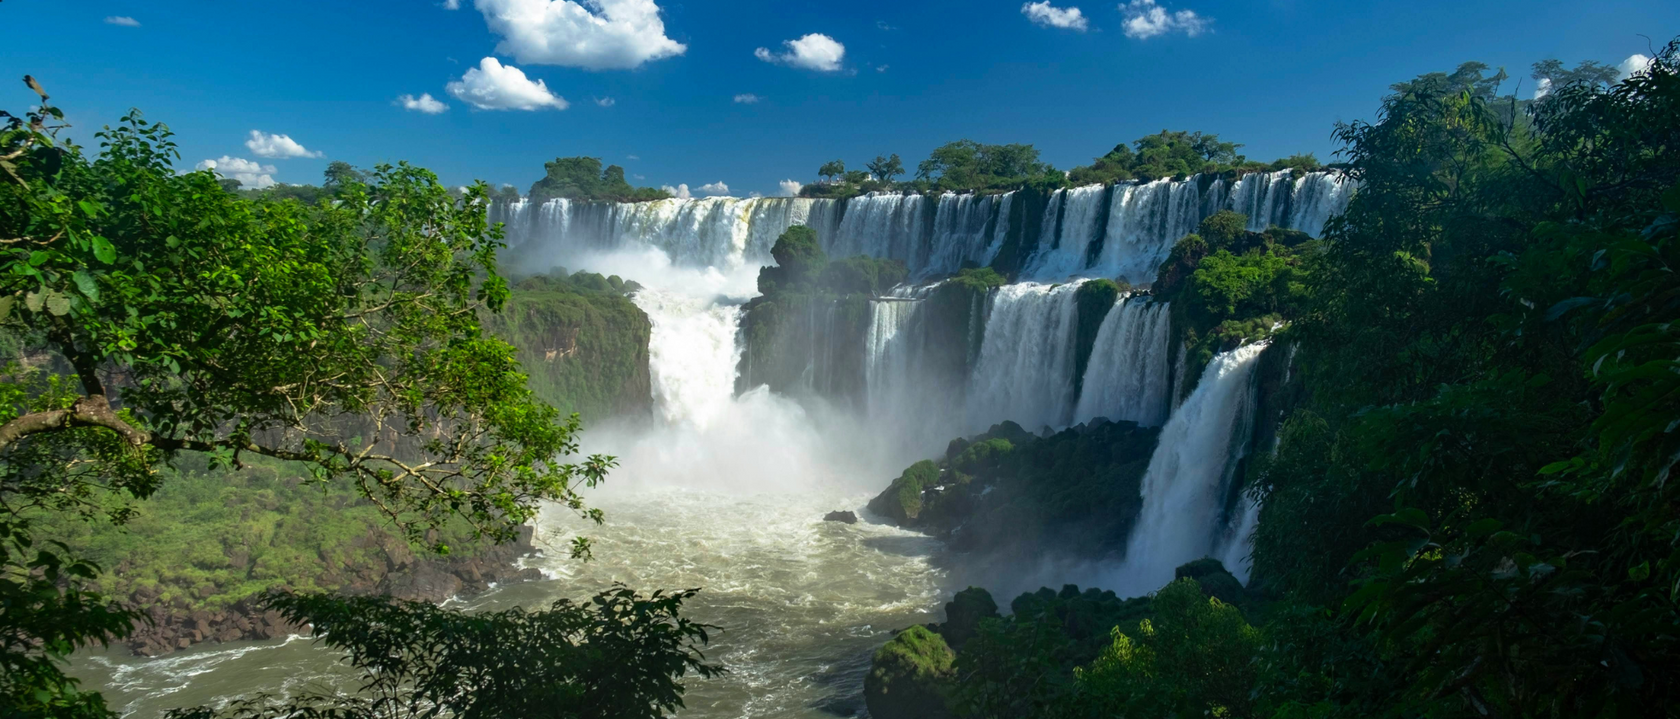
{"type": "Point", "coordinates": [1046, 15]}
{"type": "Point", "coordinates": [790, 188]}
{"type": "Point", "coordinates": [680, 191]}
{"type": "Point", "coordinates": [715, 188]}
{"type": "Point", "coordinates": [1145, 19]}
{"type": "Point", "coordinates": [122, 20]}
{"type": "Point", "coordinates": [755, 195]}
{"type": "Point", "coordinates": [593, 34]}
{"type": "Point", "coordinates": [605, 101]}
{"type": "Point", "coordinates": [747, 98]}
{"type": "Point", "coordinates": [263, 144]}
{"type": "Point", "coordinates": [494, 86]}
{"type": "Point", "coordinates": [249, 173]}
{"type": "Point", "coordinates": [1542, 87]}
{"type": "Point", "coordinates": [452, 4]}
{"type": "Point", "coordinates": [424, 103]}
{"type": "Point", "coordinates": [1634, 65]}
{"type": "Point", "coordinates": [815, 51]}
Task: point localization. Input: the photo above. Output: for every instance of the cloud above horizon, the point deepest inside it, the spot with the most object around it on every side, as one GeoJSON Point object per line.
{"type": "Point", "coordinates": [424, 103]}
{"type": "Point", "coordinates": [1634, 65]}
{"type": "Point", "coordinates": [680, 191]}
{"type": "Point", "coordinates": [747, 98]}
{"type": "Point", "coordinates": [1044, 14]}
{"type": "Point", "coordinates": [249, 173]}
{"type": "Point", "coordinates": [276, 146]}
{"type": "Point", "coordinates": [1146, 19]}
{"type": "Point", "coordinates": [122, 20]}
{"type": "Point", "coordinates": [604, 35]}
{"type": "Point", "coordinates": [790, 188]}
{"type": "Point", "coordinates": [494, 86]}
{"type": "Point", "coordinates": [815, 51]}
{"type": "Point", "coordinates": [715, 188]}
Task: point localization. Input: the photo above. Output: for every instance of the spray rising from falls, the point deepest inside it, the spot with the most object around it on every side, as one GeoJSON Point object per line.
{"type": "Point", "coordinates": [1186, 485]}
{"type": "Point", "coordinates": [1127, 378]}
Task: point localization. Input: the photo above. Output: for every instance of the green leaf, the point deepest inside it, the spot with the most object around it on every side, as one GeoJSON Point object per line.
{"type": "Point", "coordinates": [33, 301]}
{"type": "Point", "coordinates": [87, 285]}
{"type": "Point", "coordinates": [58, 304]}
{"type": "Point", "coordinates": [38, 257]}
{"type": "Point", "coordinates": [88, 208]}
{"type": "Point", "coordinates": [6, 306]}
{"type": "Point", "coordinates": [1641, 572]}
{"type": "Point", "coordinates": [104, 250]}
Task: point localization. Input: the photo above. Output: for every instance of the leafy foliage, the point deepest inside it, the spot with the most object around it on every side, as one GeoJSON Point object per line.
{"type": "Point", "coordinates": [583, 178]}
{"type": "Point", "coordinates": [620, 654]}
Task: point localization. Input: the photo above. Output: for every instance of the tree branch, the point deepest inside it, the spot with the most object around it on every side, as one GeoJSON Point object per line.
{"type": "Point", "coordinates": [89, 411]}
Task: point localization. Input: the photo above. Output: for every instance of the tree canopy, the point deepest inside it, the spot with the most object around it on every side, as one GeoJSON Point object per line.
{"type": "Point", "coordinates": [583, 178]}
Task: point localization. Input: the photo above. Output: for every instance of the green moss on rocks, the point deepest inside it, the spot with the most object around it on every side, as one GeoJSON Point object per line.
{"type": "Point", "coordinates": [582, 342]}
{"type": "Point", "coordinates": [911, 677]}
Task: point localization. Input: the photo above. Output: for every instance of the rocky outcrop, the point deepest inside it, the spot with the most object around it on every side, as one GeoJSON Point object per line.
{"type": "Point", "coordinates": [1076, 492]}
{"type": "Point", "coordinates": [404, 575]}
{"type": "Point", "coordinates": [841, 516]}
{"type": "Point", "coordinates": [911, 677]}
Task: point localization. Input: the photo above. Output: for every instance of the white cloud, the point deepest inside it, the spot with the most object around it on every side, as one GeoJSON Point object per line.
{"type": "Point", "coordinates": [680, 191]}
{"type": "Point", "coordinates": [593, 34]}
{"type": "Point", "coordinates": [639, 177]}
{"type": "Point", "coordinates": [632, 157]}
{"type": "Point", "coordinates": [494, 86]}
{"type": "Point", "coordinates": [1145, 19]}
{"type": "Point", "coordinates": [251, 175]}
{"type": "Point", "coordinates": [881, 68]}
{"type": "Point", "coordinates": [424, 103]}
{"type": "Point", "coordinates": [452, 4]}
{"type": "Point", "coordinates": [882, 24]}
{"type": "Point", "coordinates": [755, 195]}
{"type": "Point", "coordinates": [1542, 88]}
{"type": "Point", "coordinates": [1634, 65]}
{"type": "Point", "coordinates": [715, 188]}
{"type": "Point", "coordinates": [747, 98]}
{"type": "Point", "coordinates": [1046, 15]}
{"type": "Point", "coordinates": [605, 101]}
{"type": "Point", "coordinates": [790, 188]}
{"type": "Point", "coordinates": [263, 144]}
{"type": "Point", "coordinates": [122, 20]}
{"type": "Point", "coordinates": [815, 51]}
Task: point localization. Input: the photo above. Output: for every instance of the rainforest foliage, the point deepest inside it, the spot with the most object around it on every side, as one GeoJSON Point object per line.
{"type": "Point", "coordinates": [583, 178]}
{"type": "Point", "coordinates": [161, 317]}
{"type": "Point", "coordinates": [582, 342]}
{"type": "Point", "coordinates": [1469, 512]}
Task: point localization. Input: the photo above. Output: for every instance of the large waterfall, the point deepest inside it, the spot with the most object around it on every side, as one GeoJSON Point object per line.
{"type": "Point", "coordinates": [1127, 378]}
{"type": "Point", "coordinates": [1189, 476]}
{"type": "Point", "coordinates": [1025, 372]}
{"type": "Point", "coordinates": [1122, 231]}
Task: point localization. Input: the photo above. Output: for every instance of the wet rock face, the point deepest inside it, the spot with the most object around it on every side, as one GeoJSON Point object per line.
{"type": "Point", "coordinates": [841, 516]}
{"type": "Point", "coordinates": [403, 575]}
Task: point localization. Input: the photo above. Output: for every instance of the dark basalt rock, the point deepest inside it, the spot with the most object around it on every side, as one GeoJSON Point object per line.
{"type": "Point", "coordinates": [841, 516]}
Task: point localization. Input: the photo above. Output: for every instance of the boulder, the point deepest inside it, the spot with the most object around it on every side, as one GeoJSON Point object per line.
{"type": "Point", "coordinates": [1215, 582]}
{"type": "Point", "coordinates": [911, 677]}
{"type": "Point", "coordinates": [841, 516]}
{"type": "Point", "coordinates": [963, 614]}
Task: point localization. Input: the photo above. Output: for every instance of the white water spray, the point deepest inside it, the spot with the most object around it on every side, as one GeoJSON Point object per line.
{"type": "Point", "coordinates": [1128, 374]}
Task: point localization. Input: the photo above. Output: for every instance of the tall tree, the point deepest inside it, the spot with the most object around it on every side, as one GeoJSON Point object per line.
{"type": "Point", "coordinates": [886, 168]}
{"type": "Point", "coordinates": [171, 317]}
{"type": "Point", "coordinates": [832, 169]}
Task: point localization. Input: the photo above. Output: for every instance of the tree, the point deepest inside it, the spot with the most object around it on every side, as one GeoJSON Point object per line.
{"type": "Point", "coordinates": [855, 177]}
{"type": "Point", "coordinates": [969, 165]}
{"type": "Point", "coordinates": [341, 174]}
{"type": "Point", "coordinates": [832, 169]}
{"type": "Point", "coordinates": [620, 654]}
{"type": "Point", "coordinates": [886, 168]}
{"type": "Point", "coordinates": [229, 184]}
{"type": "Point", "coordinates": [583, 178]}
{"type": "Point", "coordinates": [178, 318]}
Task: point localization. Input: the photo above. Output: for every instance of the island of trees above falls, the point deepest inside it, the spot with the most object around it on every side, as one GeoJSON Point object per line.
{"type": "Point", "coordinates": [236, 414]}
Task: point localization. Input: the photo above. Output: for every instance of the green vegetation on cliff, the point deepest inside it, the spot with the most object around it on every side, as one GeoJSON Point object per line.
{"type": "Point", "coordinates": [1011, 492]}
{"type": "Point", "coordinates": [582, 342]}
{"type": "Point", "coordinates": [583, 178]}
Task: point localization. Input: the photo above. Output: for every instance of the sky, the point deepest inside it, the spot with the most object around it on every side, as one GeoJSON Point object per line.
{"type": "Point", "coordinates": [742, 97]}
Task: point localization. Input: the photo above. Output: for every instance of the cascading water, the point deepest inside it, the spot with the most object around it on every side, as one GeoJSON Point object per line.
{"type": "Point", "coordinates": [1071, 223]}
{"type": "Point", "coordinates": [1128, 376]}
{"type": "Point", "coordinates": [1025, 372]}
{"type": "Point", "coordinates": [1185, 486]}
{"type": "Point", "coordinates": [1144, 222]}
{"type": "Point", "coordinates": [692, 355]}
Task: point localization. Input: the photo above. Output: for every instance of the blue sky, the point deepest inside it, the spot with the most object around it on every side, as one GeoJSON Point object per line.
{"type": "Point", "coordinates": [1272, 74]}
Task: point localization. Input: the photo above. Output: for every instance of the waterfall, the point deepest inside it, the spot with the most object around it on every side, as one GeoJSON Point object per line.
{"type": "Point", "coordinates": [935, 235]}
{"type": "Point", "coordinates": [1025, 371]}
{"type": "Point", "coordinates": [1143, 223]}
{"type": "Point", "coordinates": [1065, 244]}
{"type": "Point", "coordinates": [1186, 484]}
{"type": "Point", "coordinates": [1127, 378]}
{"type": "Point", "coordinates": [692, 355]}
